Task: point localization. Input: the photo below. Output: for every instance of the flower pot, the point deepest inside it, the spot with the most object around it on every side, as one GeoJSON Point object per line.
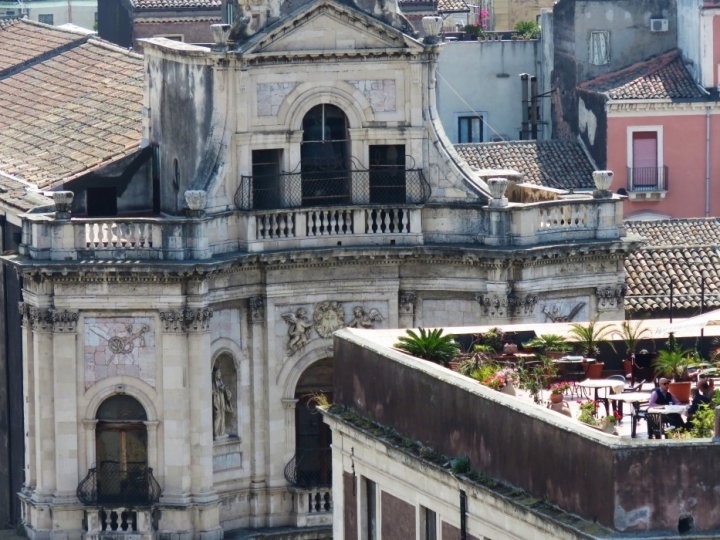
{"type": "Point", "coordinates": [508, 389]}
{"type": "Point", "coordinates": [607, 427]}
{"type": "Point", "coordinates": [627, 368]}
{"type": "Point", "coordinates": [510, 348]}
{"type": "Point", "coordinates": [554, 354]}
{"type": "Point", "coordinates": [562, 408]}
{"type": "Point", "coordinates": [556, 398]}
{"type": "Point", "coordinates": [594, 371]}
{"type": "Point", "coordinates": [681, 391]}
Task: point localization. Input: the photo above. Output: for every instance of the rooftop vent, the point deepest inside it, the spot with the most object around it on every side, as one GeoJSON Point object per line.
{"type": "Point", "coordinates": [658, 25]}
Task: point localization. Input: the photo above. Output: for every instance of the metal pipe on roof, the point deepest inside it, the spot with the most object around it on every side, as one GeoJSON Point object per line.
{"type": "Point", "coordinates": [707, 161]}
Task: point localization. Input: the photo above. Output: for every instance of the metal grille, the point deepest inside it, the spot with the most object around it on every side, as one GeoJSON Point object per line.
{"type": "Point", "coordinates": [381, 185]}
{"type": "Point", "coordinates": [113, 484]}
{"type": "Point", "coordinates": [647, 178]}
{"type": "Point", "coordinates": [310, 469]}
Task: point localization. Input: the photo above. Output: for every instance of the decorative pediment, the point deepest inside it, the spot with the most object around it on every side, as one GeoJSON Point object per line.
{"type": "Point", "coordinates": [326, 27]}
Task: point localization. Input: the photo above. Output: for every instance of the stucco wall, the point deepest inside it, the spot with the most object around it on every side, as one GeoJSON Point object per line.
{"type": "Point", "coordinates": [688, 34]}
{"type": "Point", "coordinates": [485, 77]}
{"type": "Point", "coordinates": [592, 125]}
{"type": "Point", "coordinates": [577, 468]}
{"type": "Point", "coordinates": [684, 139]}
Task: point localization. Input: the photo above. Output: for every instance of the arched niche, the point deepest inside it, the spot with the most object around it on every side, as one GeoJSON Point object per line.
{"type": "Point", "coordinates": [225, 400]}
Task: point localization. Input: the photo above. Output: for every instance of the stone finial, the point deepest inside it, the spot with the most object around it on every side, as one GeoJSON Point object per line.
{"type": "Point", "coordinates": [221, 34]}
{"type": "Point", "coordinates": [432, 26]}
{"type": "Point", "coordinates": [63, 202]}
{"type": "Point", "coordinates": [602, 180]}
{"type": "Point", "coordinates": [196, 200]}
{"type": "Point", "coordinates": [498, 186]}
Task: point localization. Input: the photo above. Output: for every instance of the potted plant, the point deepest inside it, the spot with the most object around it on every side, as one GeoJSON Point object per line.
{"type": "Point", "coordinates": [588, 409]}
{"type": "Point", "coordinates": [503, 379]}
{"type": "Point", "coordinates": [552, 345]}
{"type": "Point", "coordinates": [608, 423]}
{"type": "Point", "coordinates": [587, 338]}
{"type": "Point", "coordinates": [429, 345]}
{"type": "Point", "coordinates": [631, 335]}
{"type": "Point", "coordinates": [557, 390]}
{"type": "Point", "coordinates": [673, 363]}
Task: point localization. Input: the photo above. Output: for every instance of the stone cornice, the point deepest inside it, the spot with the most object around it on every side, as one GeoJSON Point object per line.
{"type": "Point", "coordinates": [641, 106]}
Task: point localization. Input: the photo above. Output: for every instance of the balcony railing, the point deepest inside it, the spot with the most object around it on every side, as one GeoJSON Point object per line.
{"type": "Point", "coordinates": [116, 485]}
{"type": "Point", "coordinates": [381, 186]}
{"type": "Point", "coordinates": [647, 178]}
{"type": "Point", "coordinates": [310, 469]}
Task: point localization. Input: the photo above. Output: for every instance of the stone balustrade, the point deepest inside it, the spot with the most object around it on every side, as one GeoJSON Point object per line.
{"type": "Point", "coordinates": [312, 507]}
{"type": "Point", "coordinates": [573, 218]}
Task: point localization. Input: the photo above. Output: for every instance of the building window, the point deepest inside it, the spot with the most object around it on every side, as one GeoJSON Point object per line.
{"type": "Point", "coordinates": [599, 47]}
{"type": "Point", "coordinates": [46, 19]}
{"type": "Point", "coordinates": [10, 13]}
{"type": "Point", "coordinates": [370, 528]}
{"type": "Point", "coordinates": [266, 178]}
{"type": "Point", "coordinates": [229, 13]}
{"type": "Point", "coordinates": [428, 529]}
{"type": "Point", "coordinates": [102, 202]}
{"type": "Point", "coordinates": [646, 171]}
{"type": "Point", "coordinates": [470, 129]}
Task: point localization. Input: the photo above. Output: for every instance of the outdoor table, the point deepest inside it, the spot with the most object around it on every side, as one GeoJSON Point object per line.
{"type": "Point", "coordinates": [565, 364]}
{"type": "Point", "coordinates": [661, 410]}
{"type": "Point", "coordinates": [597, 384]}
{"type": "Point", "coordinates": [632, 398]}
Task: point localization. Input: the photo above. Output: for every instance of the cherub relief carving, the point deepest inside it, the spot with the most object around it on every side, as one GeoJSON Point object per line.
{"type": "Point", "coordinates": [364, 320]}
{"type": "Point", "coordinates": [298, 330]}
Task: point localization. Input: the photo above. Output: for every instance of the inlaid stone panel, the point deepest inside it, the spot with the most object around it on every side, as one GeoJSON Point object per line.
{"type": "Point", "coordinates": [119, 346]}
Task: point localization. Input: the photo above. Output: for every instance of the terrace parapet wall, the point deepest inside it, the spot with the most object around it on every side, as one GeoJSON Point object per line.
{"type": "Point", "coordinates": [628, 485]}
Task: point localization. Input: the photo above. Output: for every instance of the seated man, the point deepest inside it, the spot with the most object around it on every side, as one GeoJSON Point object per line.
{"type": "Point", "coordinates": [706, 388]}
{"type": "Point", "coordinates": [662, 396]}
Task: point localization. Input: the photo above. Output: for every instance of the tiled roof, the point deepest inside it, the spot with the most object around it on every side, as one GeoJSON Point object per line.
{"type": "Point", "coordinates": [447, 6]}
{"type": "Point", "coordinates": [70, 114]}
{"type": "Point", "coordinates": [23, 40]}
{"type": "Point", "coordinates": [556, 164]}
{"type": "Point", "coordinates": [175, 4]}
{"type": "Point", "coordinates": [681, 250]}
{"type": "Point", "coordinates": [661, 77]}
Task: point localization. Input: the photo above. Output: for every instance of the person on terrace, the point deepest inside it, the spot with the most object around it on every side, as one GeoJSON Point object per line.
{"type": "Point", "coordinates": [662, 396]}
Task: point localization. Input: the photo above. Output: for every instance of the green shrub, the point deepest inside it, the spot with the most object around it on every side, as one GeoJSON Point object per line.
{"type": "Point", "coordinates": [429, 345]}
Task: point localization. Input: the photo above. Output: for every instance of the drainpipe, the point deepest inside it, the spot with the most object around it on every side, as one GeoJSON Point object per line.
{"type": "Point", "coordinates": [707, 161]}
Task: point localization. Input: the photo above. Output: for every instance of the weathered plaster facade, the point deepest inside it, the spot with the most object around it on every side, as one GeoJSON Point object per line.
{"type": "Point", "coordinates": [221, 306]}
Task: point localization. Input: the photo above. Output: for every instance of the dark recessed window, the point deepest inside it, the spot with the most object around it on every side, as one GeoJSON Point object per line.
{"type": "Point", "coordinates": [470, 129]}
{"type": "Point", "coordinates": [46, 19]}
{"type": "Point", "coordinates": [102, 202]}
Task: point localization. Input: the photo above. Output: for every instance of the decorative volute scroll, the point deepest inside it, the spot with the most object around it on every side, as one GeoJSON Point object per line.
{"type": "Point", "coordinates": [610, 297]}
{"type": "Point", "coordinates": [186, 320]}
{"type": "Point", "coordinates": [406, 305]}
{"type": "Point", "coordinates": [48, 319]}
{"type": "Point", "coordinates": [256, 310]}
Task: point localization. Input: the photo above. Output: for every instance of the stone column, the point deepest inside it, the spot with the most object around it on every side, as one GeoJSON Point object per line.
{"type": "Point", "coordinates": [44, 407]}
{"type": "Point", "coordinates": [259, 437]}
{"type": "Point", "coordinates": [406, 309]}
{"type": "Point", "coordinates": [176, 411]}
{"type": "Point", "coordinates": [65, 398]}
{"type": "Point", "coordinates": [29, 409]}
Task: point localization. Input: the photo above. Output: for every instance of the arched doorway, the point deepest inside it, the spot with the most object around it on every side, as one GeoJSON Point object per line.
{"type": "Point", "coordinates": [325, 157]}
{"type": "Point", "coordinates": [312, 463]}
{"type": "Point", "coordinates": [121, 445]}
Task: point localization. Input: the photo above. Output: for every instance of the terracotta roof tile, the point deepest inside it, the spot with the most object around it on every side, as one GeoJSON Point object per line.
{"type": "Point", "coordinates": [175, 4]}
{"type": "Point", "coordinates": [682, 250]}
{"type": "Point", "coordinates": [71, 113]}
{"type": "Point", "coordinates": [556, 164]}
{"type": "Point", "coordinates": [661, 77]}
{"type": "Point", "coordinates": [448, 6]}
{"type": "Point", "coordinates": [24, 40]}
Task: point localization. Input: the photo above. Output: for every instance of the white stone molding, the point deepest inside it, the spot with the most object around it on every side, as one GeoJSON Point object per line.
{"type": "Point", "coordinates": [307, 95]}
{"type": "Point", "coordinates": [290, 373]}
{"type": "Point", "coordinates": [131, 386]}
{"type": "Point", "coordinates": [186, 320]}
{"type": "Point", "coordinates": [256, 310]}
{"type": "Point", "coordinates": [229, 347]}
{"type": "Point", "coordinates": [289, 405]}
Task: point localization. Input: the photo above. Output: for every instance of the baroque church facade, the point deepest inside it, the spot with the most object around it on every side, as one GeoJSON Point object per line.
{"type": "Point", "coordinates": [171, 362]}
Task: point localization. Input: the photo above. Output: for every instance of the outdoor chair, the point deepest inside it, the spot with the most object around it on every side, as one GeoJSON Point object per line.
{"type": "Point", "coordinates": [655, 425]}
{"type": "Point", "coordinates": [638, 414]}
{"type": "Point", "coordinates": [624, 381]}
{"type": "Point", "coordinates": [636, 388]}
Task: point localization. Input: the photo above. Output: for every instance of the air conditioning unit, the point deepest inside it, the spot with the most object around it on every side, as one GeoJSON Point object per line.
{"type": "Point", "coordinates": [658, 25]}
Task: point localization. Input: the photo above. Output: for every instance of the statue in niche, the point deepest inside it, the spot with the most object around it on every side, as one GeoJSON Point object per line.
{"type": "Point", "coordinates": [364, 320]}
{"type": "Point", "coordinates": [221, 402]}
{"type": "Point", "coordinates": [299, 329]}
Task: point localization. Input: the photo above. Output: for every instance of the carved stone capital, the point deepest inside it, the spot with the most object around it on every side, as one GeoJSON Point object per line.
{"type": "Point", "coordinates": [406, 305]}
{"type": "Point", "coordinates": [47, 319]}
{"type": "Point", "coordinates": [256, 310]}
{"type": "Point", "coordinates": [610, 297]}
{"type": "Point", "coordinates": [186, 320]}
{"type": "Point", "coordinates": [522, 305]}
{"type": "Point", "coordinates": [493, 305]}
{"type": "Point", "coordinates": [64, 321]}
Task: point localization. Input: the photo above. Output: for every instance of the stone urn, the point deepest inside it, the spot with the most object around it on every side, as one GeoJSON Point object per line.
{"type": "Point", "coordinates": [63, 202]}
{"type": "Point", "coordinates": [508, 389]}
{"type": "Point", "coordinates": [607, 427]}
{"type": "Point", "coordinates": [602, 180]}
{"type": "Point", "coordinates": [432, 26]}
{"type": "Point", "coordinates": [196, 200]}
{"type": "Point", "coordinates": [220, 33]}
{"type": "Point", "coordinates": [498, 187]}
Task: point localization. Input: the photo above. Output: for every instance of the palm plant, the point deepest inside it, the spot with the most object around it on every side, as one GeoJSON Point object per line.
{"type": "Point", "coordinates": [548, 342]}
{"type": "Point", "coordinates": [429, 345]}
{"type": "Point", "coordinates": [632, 334]}
{"type": "Point", "coordinates": [588, 337]}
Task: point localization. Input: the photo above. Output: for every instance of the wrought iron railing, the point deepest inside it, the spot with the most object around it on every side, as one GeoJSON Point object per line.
{"type": "Point", "coordinates": [310, 468]}
{"type": "Point", "coordinates": [647, 178]}
{"type": "Point", "coordinates": [382, 185]}
{"type": "Point", "coordinates": [115, 484]}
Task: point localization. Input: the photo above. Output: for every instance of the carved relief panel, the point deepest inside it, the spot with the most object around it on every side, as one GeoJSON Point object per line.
{"type": "Point", "coordinates": [119, 346]}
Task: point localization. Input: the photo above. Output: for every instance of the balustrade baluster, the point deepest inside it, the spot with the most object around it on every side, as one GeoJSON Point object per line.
{"type": "Point", "coordinates": [291, 225]}
{"type": "Point", "coordinates": [405, 221]}
{"type": "Point", "coordinates": [132, 229]}
{"type": "Point", "coordinates": [334, 222]}
{"type": "Point", "coordinates": [325, 222]}
{"type": "Point", "coordinates": [369, 225]}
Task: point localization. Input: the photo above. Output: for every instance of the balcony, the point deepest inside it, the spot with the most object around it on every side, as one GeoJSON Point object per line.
{"type": "Point", "coordinates": [116, 485]}
{"type": "Point", "coordinates": [310, 474]}
{"type": "Point", "coordinates": [647, 183]}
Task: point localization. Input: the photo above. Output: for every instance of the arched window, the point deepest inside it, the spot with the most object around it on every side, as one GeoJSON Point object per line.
{"type": "Point", "coordinates": [325, 157]}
